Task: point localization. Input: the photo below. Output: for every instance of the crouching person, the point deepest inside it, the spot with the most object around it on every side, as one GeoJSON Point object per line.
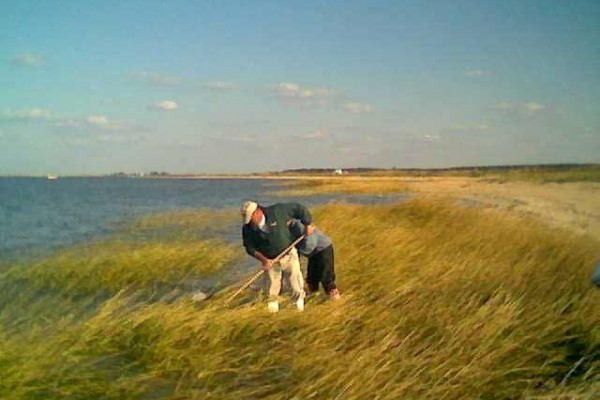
{"type": "Point", "coordinates": [318, 248]}
{"type": "Point", "coordinates": [265, 235]}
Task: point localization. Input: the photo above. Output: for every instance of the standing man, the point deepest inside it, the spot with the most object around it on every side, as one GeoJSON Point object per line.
{"type": "Point", "coordinates": [266, 234]}
{"type": "Point", "coordinates": [318, 248]}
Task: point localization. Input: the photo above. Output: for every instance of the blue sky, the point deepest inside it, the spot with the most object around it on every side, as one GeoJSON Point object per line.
{"type": "Point", "coordinates": [94, 87]}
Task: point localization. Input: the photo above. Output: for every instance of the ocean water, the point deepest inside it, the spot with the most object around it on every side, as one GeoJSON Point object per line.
{"type": "Point", "coordinates": [38, 215]}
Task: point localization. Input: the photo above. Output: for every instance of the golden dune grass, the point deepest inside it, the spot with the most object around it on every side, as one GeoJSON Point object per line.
{"type": "Point", "coordinates": [440, 301]}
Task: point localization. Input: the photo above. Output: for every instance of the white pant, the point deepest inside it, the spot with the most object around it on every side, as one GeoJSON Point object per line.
{"type": "Point", "coordinates": [289, 263]}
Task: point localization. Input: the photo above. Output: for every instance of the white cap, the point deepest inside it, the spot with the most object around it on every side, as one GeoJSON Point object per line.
{"type": "Point", "coordinates": [248, 208]}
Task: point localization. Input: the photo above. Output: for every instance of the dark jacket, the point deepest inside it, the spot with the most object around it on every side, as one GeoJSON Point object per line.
{"type": "Point", "coordinates": [278, 236]}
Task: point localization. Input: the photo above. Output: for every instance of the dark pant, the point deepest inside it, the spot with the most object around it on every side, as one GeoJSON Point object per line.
{"type": "Point", "coordinates": [321, 270]}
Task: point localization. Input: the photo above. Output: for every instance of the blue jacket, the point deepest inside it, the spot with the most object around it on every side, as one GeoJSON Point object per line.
{"type": "Point", "coordinates": [312, 244]}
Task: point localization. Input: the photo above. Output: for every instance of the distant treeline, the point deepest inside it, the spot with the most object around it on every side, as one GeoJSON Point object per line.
{"type": "Point", "coordinates": [139, 174]}
{"type": "Point", "coordinates": [539, 173]}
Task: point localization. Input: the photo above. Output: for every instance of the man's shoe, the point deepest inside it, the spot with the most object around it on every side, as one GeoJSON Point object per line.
{"type": "Point", "coordinates": [300, 304]}
{"type": "Point", "coordinates": [335, 294]}
{"type": "Point", "coordinates": [273, 306]}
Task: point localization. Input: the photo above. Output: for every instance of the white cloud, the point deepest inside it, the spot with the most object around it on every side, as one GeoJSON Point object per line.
{"type": "Point", "coordinates": [294, 94]}
{"type": "Point", "coordinates": [155, 78]}
{"type": "Point", "coordinates": [504, 106]}
{"type": "Point", "coordinates": [102, 122]}
{"type": "Point", "coordinates": [358, 108]}
{"type": "Point", "coordinates": [28, 59]}
{"type": "Point", "coordinates": [93, 121]}
{"type": "Point", "coordinates": [166, 105]}
{"type": "Point", "coordinates": [533, 107]}
{"type": "Point", "coordinates": [110, 138]}
{"type": "Point", "coordinates": [477, 73]}
{"type": "Point", "coordinates": [98, 120]}
{"type": "Point", "coordinates": [528, 108]}
{"type": "Point", "coordinates": [69, 123]}
{"type": "Point", "coordinates": [471, 127]}
{"type": "Point", "coordinates": [28, 114]}
{"type": "Point", "coordinates": [244, 139]}
{"type": "Point", "coordinates": [221, 85]}
{"type": "Point", "coordinates": [431, 137]}
{"type": "Point", "coordinates": [314, 135]}
{"type": "Point", "coordinates": [46, 116]}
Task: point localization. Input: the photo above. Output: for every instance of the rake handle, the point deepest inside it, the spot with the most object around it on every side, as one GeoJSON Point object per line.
{"type": "Point", "coordinates": [261, 271]}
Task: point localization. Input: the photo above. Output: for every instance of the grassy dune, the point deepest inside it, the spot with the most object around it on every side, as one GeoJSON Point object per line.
{"type": "Point", "coordinates": [439, 301]}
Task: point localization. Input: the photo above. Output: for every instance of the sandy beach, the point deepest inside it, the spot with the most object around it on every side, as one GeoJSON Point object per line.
{"type": "Point", "coordinates": [573, 205]}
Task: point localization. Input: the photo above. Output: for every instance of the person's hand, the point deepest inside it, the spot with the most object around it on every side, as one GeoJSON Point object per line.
{"type": "Point", "coordinates": [310, 229]}
{"type": "Point", "coordinates": [267, 264]}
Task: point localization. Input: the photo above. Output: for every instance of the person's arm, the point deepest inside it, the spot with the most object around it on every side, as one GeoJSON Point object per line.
{"type": "Point", "coordinates": [250, 247]}
{"type": "Point", "coordinates": [300, 212]}
{"type": "Point", "coordinates": [266, 262]}
{"type": "Point", "coordinates": [298, 230]}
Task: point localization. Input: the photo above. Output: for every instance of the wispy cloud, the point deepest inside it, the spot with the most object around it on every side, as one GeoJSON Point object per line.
{"type": "Point", "coordinates": [533, 107]}
{"type": "Point", "coordinates": [156, 78]}
{"type": "Point", "coordinates": [244, 139]}
{"type": "Point", "coordinates": [165, 105]}
{"type": "Point", "coordinates": [220, 85]}
{"type": "Point", "coordinates": [294, 94]}
{"type": "Point", "coordinates": [98, 120]}
{"type": "Point", "coordinates": [358, 108]}
{"type": "Point", "coordinates": [294, 90]}
{"type": "Point", "coordinates": [477, 73]}
{"type": "Point", "coordinates": [102, 122]}
{"type": "Point", "coordinates": [470, 127]}
{"type": "Point", "coordinates": [247, 139]}
{"type": "Point", "coordinates": [314, 135]}
{"type": "Point", "coordinates": [28, 59]}
{"type": "Point", "coordinates": [27, 114]}
{"type": "Point", "coordinates": [527, 108]}
{"type": "Point", "coordinates": [41, 115]}
{"type": "Point", "coordinates": [431, 137]}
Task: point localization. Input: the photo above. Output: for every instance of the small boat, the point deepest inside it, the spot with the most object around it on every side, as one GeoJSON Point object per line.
{"type": "Point", "coordinates": [52, 177]}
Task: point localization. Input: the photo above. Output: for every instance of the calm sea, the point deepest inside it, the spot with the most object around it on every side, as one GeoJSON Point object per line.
{"type": "Point", "coordinates": [38, 215]}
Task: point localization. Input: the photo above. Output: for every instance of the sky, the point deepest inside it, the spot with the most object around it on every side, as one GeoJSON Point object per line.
{"type": "Point", "coordinates": [95, 87]}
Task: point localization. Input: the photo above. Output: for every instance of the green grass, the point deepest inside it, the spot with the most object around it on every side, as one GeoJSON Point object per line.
{"type": "Point", "coordinates": [440, 301]}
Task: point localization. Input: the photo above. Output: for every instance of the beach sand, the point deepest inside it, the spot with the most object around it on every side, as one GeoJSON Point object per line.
{"type": "Point", "coordinates": [573, 205]}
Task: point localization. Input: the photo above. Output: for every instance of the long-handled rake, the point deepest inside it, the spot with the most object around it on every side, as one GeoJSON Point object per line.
{"type": "Point", "coordinates": [261, 271]}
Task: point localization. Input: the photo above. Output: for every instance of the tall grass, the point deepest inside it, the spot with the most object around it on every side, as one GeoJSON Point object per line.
{"type": "Point", "coordinates": [440, 301]}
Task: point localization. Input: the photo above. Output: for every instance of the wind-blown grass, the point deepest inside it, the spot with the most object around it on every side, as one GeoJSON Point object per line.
{"type": "Point", "coordinates": [440, 301]}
